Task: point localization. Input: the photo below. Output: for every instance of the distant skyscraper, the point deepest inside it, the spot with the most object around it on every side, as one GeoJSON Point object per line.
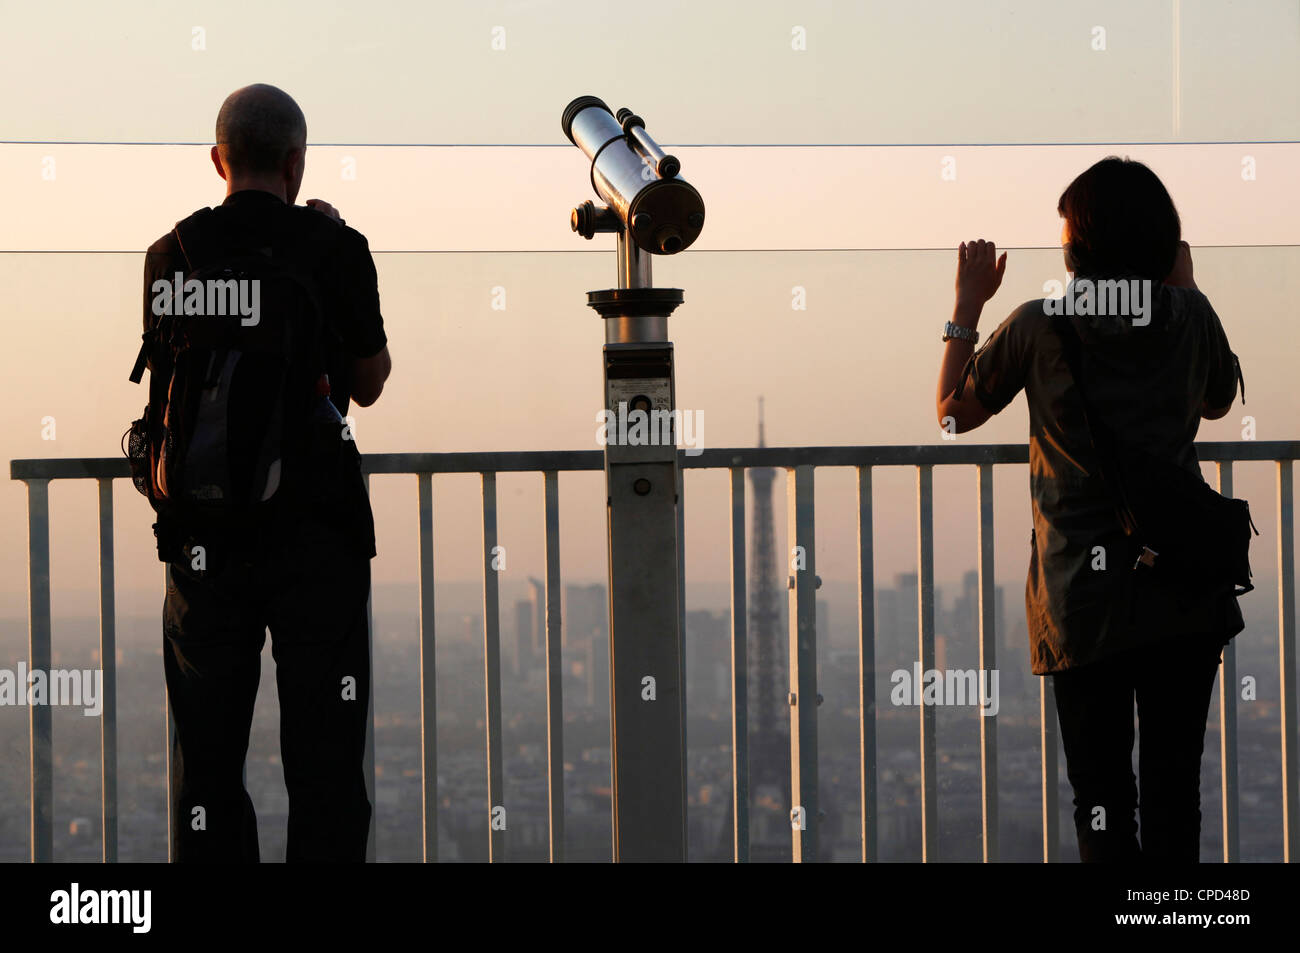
{"type": "Point", "coordinates": [707, 661]}
{"type": "Point", "coordinates": [906, 585]}
{"type": "Point", "coordinates": [537, 598]}
{"type": "Point", "coordinates": [586, 639]}
{"type": "Point", "coordinates": [524, 636]}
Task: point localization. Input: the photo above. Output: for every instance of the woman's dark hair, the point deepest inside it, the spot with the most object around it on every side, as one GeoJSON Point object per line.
{"type": "Point", "coordinates": [1121, 221]}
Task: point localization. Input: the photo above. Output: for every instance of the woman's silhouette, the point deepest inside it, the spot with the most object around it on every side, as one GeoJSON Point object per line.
{"type": "Point", "coordinates": [1154, 363]}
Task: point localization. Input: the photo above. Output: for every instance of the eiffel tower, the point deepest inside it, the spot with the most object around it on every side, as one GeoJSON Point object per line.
{"type": "Point", "coordinates": [769, 725]}
{"type": "Point", "coordinates": [769, 758]}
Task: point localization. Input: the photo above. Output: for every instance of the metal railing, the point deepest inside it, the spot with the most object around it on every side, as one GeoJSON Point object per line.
{"type": "Point", "coordinates": [800, 464]}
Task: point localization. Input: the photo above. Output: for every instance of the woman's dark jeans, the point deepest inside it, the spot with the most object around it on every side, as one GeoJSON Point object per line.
{"type": "Point", "coordinates": [1094, 704]}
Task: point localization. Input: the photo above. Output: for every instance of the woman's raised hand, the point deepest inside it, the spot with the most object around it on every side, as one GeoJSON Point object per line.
{"type": "Point", "coordinates": [979, 272]}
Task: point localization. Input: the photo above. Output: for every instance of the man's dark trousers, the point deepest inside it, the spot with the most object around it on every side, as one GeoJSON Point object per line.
{"type": "Point", "coordinates": [311, 590]}
{"type": "Point", "coordinates": [1172, 682]}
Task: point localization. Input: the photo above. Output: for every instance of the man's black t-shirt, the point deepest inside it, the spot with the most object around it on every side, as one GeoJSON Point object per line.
{"type": "Point", "coordinates": [338, 260]}
{"type": "Point", "coordinates": [336, 256]}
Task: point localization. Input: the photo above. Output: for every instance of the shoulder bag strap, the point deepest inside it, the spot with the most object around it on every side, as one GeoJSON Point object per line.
{"type": "Point", "coordinates": [1100, 438]}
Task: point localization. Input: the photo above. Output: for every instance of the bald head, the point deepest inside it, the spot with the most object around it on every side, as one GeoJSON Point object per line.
{"type": "Point", "coordinates": [257, 128]}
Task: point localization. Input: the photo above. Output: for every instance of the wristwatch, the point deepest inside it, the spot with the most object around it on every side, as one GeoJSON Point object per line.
{"type": "Point", "coordinates": [951, 331]}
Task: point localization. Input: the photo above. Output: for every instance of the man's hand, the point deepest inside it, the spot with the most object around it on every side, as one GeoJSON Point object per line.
{"type": "Point", "coordinates": [1181, 275]}
{"type": "Point", "coordinates": [1209, 413]}
{"type": "Point", "coordinates": [979, 273]}
{"type": "Point", "coordinates": [369, 375]}
{"type": "Point", "coordinates": [325, 208]}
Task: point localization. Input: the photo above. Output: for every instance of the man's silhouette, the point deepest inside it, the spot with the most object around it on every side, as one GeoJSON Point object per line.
{"type": "Point", "coordinates": [306, 574]}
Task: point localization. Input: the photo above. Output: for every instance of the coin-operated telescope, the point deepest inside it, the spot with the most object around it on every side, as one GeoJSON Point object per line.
{"type": "Point", "coordinates": [637, 180]}
{"type": "Point", "coordinates": [652, 211]}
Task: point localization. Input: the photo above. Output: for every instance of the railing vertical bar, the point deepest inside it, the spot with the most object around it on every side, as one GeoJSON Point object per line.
{"type": "Point", "coordinates": [368, 762]}
{"type": "Point", "coordinates": [682, 642]}
{"type": "Point", "coordinates": [554, 669]}
{"type": "Point", "coordinates": [108, 666]}
{"type": "Point", "coordinates": [428, 675]}
{"type": "Point", "coordinates": [870, 814]}
{"type": "Point", "coordinates": [806, 819]}
{"type": "Point", "coordinates": [1228, 723]}
{"type": "Point", "coordinates": [925, 637]}
{"type": "Point", "coordinates": [39, 717]}
{"type": "Point", "coordinates": [1047, 741]}
{"type": "Point", "coordinates": [988, 667]}
{"type": "Point", "coordinates": [169, 741]}
{"type": "Point", "coordinates": [739, 675]}
{"type": "Point", "coordinates": [492, 671]}
{"type": "Point", "coordinates": [1287, 660]}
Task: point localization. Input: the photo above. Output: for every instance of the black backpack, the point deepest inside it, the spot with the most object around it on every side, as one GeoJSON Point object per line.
{"type": "Point", "coordinates": [238, 392]}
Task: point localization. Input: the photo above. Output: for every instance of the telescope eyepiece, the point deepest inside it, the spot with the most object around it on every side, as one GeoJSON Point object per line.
{"type": "Point", "coordinates": [627, 119]}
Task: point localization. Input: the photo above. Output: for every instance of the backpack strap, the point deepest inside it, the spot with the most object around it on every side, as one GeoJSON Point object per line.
{"type": "Point", "coordinates": [149, 340]}
{"type": "Point", "coordinates": [190, 241]}
{"type": "Point", "coordinates": [185, 235]}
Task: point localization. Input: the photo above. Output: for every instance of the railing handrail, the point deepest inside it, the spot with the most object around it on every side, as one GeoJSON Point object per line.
{"type": "Point", "coordinates": [540, 461]}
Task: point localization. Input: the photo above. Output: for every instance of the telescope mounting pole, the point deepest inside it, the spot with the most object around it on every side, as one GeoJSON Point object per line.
{"type": "Point", "coordinates": [642, 479]}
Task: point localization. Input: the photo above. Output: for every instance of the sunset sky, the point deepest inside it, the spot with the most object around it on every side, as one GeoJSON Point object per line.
{"type": "Point", "coordinates": [819, 135]}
